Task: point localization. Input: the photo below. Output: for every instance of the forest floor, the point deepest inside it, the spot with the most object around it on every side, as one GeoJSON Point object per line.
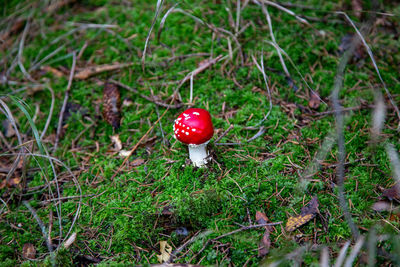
{"type": "Point", "coordinates": [306, 132]}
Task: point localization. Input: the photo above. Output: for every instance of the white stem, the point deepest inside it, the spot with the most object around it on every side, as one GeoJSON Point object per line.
{"type": "Point", "coordinates": [198, 154]}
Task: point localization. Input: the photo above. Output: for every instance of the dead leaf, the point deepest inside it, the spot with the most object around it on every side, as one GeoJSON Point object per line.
{"type": "Point", "coordinates": [111, 105]}
{"type": "Point", "coordinates": [28, 251]}
{"type": "Point", "coordinates": [381, 206]}
{"type": "Point", "coordinates": [307, 213]}
{"type": "Point", "coordinates": [127, 103]}
{"type": "Point", "coordinates": [8, 128]}
{"type": "Point", "coordinates": [392, 193]}
{"type": "Point", "coordinates": [165, 250]}
{"type": "Point", "coordinates": [315, 100]}
{"type": "Point", "coordinates": [13, 182]}
{"type": "Point", "coordinates": [116, 141]}
{"type": "Point", "coordinates": [85, 73]}
{"type": "Point", "coordinates": [265, 242]}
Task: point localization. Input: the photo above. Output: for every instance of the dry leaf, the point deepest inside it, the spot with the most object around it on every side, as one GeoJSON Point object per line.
{"type": "Point", "coordinates": [315, 100]}
{"type": "Point", "coordinates": [90, 71]}
{"type": "Point", "coordinates": [165, 250]}
{"type": "Point", "coordinates": [116, 141]}
{"type": "Point", "coordinates": [111, 105]}
{"type": "Point", "coordinates": [308, 212]}
{"type": "Point", "coordinates": [392, 193]}
{"type": "Point", "coordinates": [13, 182]}
{"type": "Point", "coordinates": [265, 242]}
{"type": "Point", "coordinates": [381, 206]}
{"type": "Point", "coordinates": [8, 129]}
{"type": "Point", "coordinates": [28, 251]}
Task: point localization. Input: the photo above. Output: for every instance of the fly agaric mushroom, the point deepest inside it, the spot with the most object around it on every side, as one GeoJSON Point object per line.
{"type": "Point", "coordinates": [194, 128]}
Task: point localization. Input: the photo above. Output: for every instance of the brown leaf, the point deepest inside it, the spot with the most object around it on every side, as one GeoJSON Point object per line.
{"type": "Point", "coordinates": [165, 250]}
{"type": "Point", "coordinates": [13, 182]}
{"type": "Point", "coordinates": [392, 193]}
{"type": "Point", "coordinates": [307, 213]}
{"type": "Point", "coordinates": [111, 105]}
{"type": "Point", "coordinates": [264, 244]}
{"type": "Point", "coordinates": [381, 206]}
{"type": "Point", "coordinates": [28, 251]}
{"type": "Point", "coordinates": [315, 100]}
{"type": "Point", "coordinates": [83, 74]}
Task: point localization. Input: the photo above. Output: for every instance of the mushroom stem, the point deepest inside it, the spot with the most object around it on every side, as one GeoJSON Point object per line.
{"type": "Point", "coordinates": [198, 154]}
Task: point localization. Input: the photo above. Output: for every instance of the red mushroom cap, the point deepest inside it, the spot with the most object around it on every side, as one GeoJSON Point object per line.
{"type": "Point", "coordinates": [194, 126]}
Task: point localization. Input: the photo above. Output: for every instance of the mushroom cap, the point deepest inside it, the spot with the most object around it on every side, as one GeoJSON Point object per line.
{"type": "Point", "coordinates": [193, 126]}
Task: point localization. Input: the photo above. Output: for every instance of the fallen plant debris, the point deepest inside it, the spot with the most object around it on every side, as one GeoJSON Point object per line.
{"type": "Point", "coordinates": [265, 242]}
{"type": "Point", "coordinates": [83, 74]}
{"type": "Point", "coordinates": [28, 251]}
{"type": "Point", "coordinates": [112, 105]}
{"type": "Point", "coordinates": [165, 250]}
{"type": "Point", "coordinates": [392, 193]}
{"type": "Point", "coordinates": [307, 213]}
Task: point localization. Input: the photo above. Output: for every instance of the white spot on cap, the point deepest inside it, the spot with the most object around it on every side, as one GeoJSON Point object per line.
{"type": "Point", "coordinates": [183, 131]}
{"type": "Point", "coordinates": [196, 113]}
{"type": "Point", "coordinates": [188, 128]}
{"type": "Point", "coordinates": [193, 129]}
{"type": "Point", "coordinates": [179, 119]}
{"type": "Point", "coordinates": [187, 133]}
{"type": "Point", "coordinates": [186, 115]}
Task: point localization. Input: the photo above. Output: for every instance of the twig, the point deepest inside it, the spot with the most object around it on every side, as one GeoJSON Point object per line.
{"type": "Point", "coordinates": [199, 69]}
{"type": "Point", "coordinates": [234, 232]}
{"type": "Point", "coordinates": [43, 229]}
{"type": "Point", "coordinates": [61, 118]}
{"type": "Point", "coordinates": [188, 242]}
{"type": "Point", "coordinates": [159, 103]}
{"type": "Point", "coordinates": [223, 134]}
{"type": "Point", "coordinates": [138, 143]}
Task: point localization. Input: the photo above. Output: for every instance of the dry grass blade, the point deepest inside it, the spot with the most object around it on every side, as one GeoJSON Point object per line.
{"type": "Point", "coordinates": [158, 10]}
{"type": "Point", "coordinates": [342, 255]}
{"type": "Point", "coordinates": [164, 19]}
{"type": "Point", "coordinates": [43, 229]}
{"type": "Point", "coordinates": [66, 95]}
{"type": "Point", "coordinates": [354, 253]}
{"type": "Point", "coordinates": [338, 83]}
{"type": "Point", "coordinates": [283, 9]}
{"type": "Point", "coordinates": [370, 54]}
{"type": "Point", "coordinates": [394, 160]}
{"type": "Point", "coordinates": [378, 115]}
{"type": "Point", "coordinates": [265, 11]}
{"type": "Point", "coordinates": [324, 261]}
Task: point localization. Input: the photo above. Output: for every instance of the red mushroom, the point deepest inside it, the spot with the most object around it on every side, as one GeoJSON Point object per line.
{"type": "Point", "coordinates": [194, 128]}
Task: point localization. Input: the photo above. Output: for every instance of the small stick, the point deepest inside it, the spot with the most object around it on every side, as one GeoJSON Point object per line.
{"type": "Point", "coordinates": [138, 143]}
{"type": "Point", "coordinates": [223, 134]}
{"type": "Point", "coordinates": [159, 103]}
{"type": "Point", "coordinates": [61, 118]}
{"type": "Point", "coordinates": [199, 69]}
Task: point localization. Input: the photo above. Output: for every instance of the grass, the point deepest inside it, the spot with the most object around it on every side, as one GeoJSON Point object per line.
{"type": "Point", "coordinates": [123, 219]}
